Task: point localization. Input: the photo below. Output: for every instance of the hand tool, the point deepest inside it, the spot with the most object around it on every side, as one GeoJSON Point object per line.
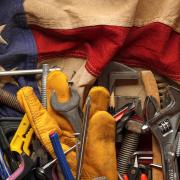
{"type": "Point", "coordinates": [69, 110]}
{"type": "Point", "coordinates": [122, 117]}
{"type": "Point", "coordinates": [24, 168]}
{"type": "Point", "coordinates": [60, 156]}
{"type": "Point", "coordinates": [22, 138]}
{"type": "Point", "coordinates": [4, 170]}
{"type": "Point", "coordinates": [151, 89]}
{"type": "Point", "coordinates": [130, 140]}
{"type": "Point", "coordinates": [4, 144]}
{"type": "Point", "coordinates": [164, 124]}
{"type": "Point", "coordinates": [26, 72]}
{"type": "Point", "coordinates": [147, 110]}
{"type": "Point", "coordinates": [83, 137]}
{"type": "Point", "coordinates": [45, 172]}
{"type": "Point", "coordinates": [124, 111]}
{"type": "Point", "coordinates": [19, 140]}
{"type": "Point", "coordinates": [134, 171]}
{"type": "Point", "coordinates": [114, 71]}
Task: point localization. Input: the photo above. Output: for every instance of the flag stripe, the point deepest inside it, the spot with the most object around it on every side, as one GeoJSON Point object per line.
{"type": "Point", "coordinates": [70, 14]}
{"type": "Point", "coordinates": [155, 46]}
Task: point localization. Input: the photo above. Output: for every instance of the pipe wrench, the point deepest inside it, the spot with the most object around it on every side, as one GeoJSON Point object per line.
{"type": "Point", "coordinates": [164, 125]}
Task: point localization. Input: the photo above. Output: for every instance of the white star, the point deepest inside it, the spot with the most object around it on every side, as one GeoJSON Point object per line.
{"type": "Point", "coordinates": [2, 41]}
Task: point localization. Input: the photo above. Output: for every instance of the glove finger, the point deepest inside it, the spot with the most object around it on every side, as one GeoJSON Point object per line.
{"type": "Point", "coordinates": [101, 144]}
{"type": "Point", "coordinates": [100, 98]}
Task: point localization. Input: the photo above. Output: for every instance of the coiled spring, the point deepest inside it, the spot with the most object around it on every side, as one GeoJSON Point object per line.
{"type": "Point", "coordinates": [129, 146]}
{"type": "Point", "coordinates": [10, 100]}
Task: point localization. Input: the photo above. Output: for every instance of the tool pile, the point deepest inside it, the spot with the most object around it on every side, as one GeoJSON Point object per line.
{"type": "Point", "coordinates": [56, 139]}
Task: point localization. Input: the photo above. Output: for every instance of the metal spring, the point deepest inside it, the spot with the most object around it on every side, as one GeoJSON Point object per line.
{"type": "Point", "coordinates": [44, 85]}
{"type": "Point", "coordinates": [129, 146]}
{"type": "Point", "coordinates": [9, 100]}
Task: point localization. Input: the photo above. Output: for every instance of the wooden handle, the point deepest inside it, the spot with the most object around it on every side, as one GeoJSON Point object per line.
{"type": "Point", "coordinates": [151, 89]}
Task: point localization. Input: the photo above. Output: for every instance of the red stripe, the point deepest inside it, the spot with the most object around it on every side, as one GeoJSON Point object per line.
{"type": "Point", "coordinates": [155, 46]}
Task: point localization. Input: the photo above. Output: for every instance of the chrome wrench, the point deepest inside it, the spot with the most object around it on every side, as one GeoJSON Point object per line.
{"type": "Point", "coordinates": [164, 124]}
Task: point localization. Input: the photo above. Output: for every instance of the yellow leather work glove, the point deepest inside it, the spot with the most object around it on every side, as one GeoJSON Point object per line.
{"type": "Point", "coordinates": [42, 123]}
{"type": "Point", "coordinates": [100, 156]}
{"type": "Point", "coordinates": [100, 152]}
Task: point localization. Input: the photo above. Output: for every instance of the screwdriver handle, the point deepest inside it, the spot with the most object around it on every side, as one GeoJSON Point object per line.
{"type": "Point", "coordinates": [60, 156]}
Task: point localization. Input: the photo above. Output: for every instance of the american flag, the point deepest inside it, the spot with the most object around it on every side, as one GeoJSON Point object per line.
{"type": "Point", "coordinates": [138, 33]}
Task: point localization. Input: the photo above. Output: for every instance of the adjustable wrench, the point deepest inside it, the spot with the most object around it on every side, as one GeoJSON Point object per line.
{"type": "Point", "coordinates": [164, 124]}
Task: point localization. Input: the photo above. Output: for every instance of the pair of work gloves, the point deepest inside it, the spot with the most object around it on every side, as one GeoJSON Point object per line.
{"type": "Point", "coordinates": [100, 153]}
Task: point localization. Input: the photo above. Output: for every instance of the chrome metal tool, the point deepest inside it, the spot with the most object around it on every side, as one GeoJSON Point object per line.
{"type": "Point", "coordinates": [164, 124]}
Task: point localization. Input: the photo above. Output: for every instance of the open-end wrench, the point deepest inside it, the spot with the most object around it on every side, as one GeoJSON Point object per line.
{"type": "Point", "coordinates": [164, 124]}
{"type": "Point", "coordinates": [69, 110]}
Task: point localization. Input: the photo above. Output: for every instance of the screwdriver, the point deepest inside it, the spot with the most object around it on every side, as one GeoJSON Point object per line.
{"type": "Point", "coordinates": [61, 158]}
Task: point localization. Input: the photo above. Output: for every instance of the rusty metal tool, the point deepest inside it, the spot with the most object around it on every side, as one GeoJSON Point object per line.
{"type": "Point", "coordinates": [115, 71]}
{"type": "Point", "coordinates": [164, 124]}
{"type": "Point", "coordinates": [69, 109]}
{"type": "Point", "coordinates": [83, 137]}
